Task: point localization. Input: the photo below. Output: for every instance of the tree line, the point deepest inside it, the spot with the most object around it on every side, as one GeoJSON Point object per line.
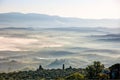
{"type": "Point", "coordinates": [95, 71]}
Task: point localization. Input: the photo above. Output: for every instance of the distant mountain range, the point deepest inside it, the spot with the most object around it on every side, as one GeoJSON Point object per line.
{"type": "Point", "coordinates": [43, 21]}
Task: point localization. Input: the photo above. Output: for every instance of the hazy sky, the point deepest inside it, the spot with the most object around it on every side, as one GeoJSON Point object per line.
{"type": "Point", "coordinates": [70, 8]}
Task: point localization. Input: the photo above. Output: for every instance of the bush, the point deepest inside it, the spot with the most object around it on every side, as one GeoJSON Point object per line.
{"type": "Point", "coordinates": [75, 76]}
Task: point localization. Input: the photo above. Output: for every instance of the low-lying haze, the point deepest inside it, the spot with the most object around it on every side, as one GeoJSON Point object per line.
{"type": "Point", "coordinates": [24, 48]}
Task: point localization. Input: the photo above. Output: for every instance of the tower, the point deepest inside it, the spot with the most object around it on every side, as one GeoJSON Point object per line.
{"type": "Point", "coordinates": [63, 67]}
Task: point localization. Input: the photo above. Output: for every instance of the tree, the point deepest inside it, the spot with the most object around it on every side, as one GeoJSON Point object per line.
{"type": "Point", "coordinates": [40, 68]}
{"type": "Point", "coordinates": [70, 67]}
{"type": "Point", "coordinates": [92, 71]}
{"type": "Point", "coordinates": [115, 71]}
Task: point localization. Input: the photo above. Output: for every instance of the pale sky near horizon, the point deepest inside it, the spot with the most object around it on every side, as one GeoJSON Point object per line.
{"type": "Point", "coordinates": [94, 9]}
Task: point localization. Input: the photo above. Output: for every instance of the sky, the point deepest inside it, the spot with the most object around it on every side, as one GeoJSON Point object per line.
{"type": "Point", "coordinates": [90, 9]}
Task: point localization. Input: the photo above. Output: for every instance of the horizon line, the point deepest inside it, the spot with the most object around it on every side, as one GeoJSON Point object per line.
{"type": "Point", "coordinates": [61, 16]}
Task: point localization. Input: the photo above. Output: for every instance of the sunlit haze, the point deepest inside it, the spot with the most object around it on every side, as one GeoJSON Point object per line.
{"type": "Point", "coordinates": [92, 9]}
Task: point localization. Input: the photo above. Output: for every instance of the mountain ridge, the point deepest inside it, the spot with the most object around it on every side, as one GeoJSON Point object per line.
{"type": "Point", "coordinates": [43, 20]}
